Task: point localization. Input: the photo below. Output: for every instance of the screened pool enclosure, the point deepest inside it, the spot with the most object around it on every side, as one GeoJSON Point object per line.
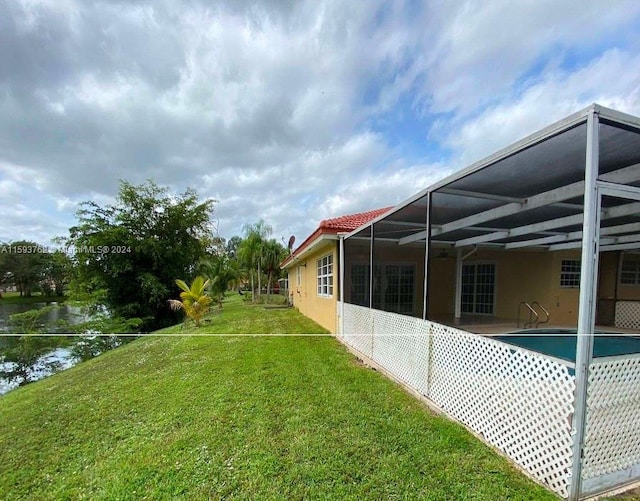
{"type": "Point", "coordinates": [544, 233]}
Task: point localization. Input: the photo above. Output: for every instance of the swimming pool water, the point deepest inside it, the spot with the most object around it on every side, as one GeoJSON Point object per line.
{"type": "Point", "coordinates": [561, 343]}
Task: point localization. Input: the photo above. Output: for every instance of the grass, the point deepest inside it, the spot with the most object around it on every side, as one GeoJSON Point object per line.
{"type": "Point", "coordinates": [37, 297]}
{"type": "Point", "coordinates": [264, 417]}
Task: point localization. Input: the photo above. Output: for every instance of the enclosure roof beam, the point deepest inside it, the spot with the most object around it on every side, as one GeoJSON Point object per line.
{"type": "Point", "coordinates": [574, 235]}
{"type": "Point", "coordinates": [573, 190]}
{"type": "Point", "coordinates": [612, 212]}
{"type": "Point", "coordinates": [616, 247]}
{"type": "Point", "coordinates": [619, 190]}
{"type": "Point", "coordinates": [423, 234]}
{"type": "Point", "coordinates": [500, 198]}
{"type": "Point", "coordinates": [484, 196]}
{"type": "Point", "coordinates": [603, 242]}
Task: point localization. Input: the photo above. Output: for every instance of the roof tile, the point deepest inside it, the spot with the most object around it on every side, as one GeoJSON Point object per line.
{"type": "Point", "coordinates": [335, 225]}
{"type": "Point", "coordinates": [351, 221]}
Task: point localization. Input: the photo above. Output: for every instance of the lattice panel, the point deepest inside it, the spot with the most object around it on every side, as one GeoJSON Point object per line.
{"type": "Point", "coordinates": [628, 314]}
{"type": "Point", "coordinates": [612, 441]}
{"type": "Point", "coordinates": [358, 328]}
{"type": "Point", "coordinates": [401, 345]}
{"type": "Point", "coordinates": [520, 402]}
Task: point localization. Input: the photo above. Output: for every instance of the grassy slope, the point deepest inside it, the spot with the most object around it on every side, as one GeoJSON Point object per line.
{"type": "Point", "coordinates": [239, 417]}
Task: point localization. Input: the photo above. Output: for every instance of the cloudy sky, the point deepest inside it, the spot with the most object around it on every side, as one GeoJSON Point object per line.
{"type": "Point", "coordinates": [290, 111]}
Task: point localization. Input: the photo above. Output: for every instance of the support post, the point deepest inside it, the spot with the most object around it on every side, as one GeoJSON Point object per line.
{"type": "Point", "coordinates": [458, 311]}
{"type": "Point", "coordinates": [425, 303]}
{"type": "Point", "coordinates": [371, 270]}
{"type": "Point", "coordinates": [342, 274]}
{"type": "Point", "coordinates": [587, 307]}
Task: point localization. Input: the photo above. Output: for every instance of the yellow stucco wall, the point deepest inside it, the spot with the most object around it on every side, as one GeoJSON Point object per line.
{"type": "Point", "coordinates": [305, 296]}
{"type": "Point", "coordinates": [520, 276]}
{"type": "Point", "coordinates": [526, 276]}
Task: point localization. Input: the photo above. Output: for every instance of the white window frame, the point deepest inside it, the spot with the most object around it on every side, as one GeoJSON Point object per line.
{"type": "Point", "coordinates": [324, 281]}
{"type": "Point", "coordinates": [475, 294]}
{"type": "Point", "coordinates": [635, 272]}
{"type": "Point", "coordinates": [571, 279]}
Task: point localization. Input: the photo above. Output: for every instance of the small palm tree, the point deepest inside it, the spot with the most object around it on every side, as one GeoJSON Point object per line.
{"type": "Point", "coordinates": [196, 302]}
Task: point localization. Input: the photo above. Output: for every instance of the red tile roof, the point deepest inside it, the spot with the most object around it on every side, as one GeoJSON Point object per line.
{"type": "Point", "coordinates": [335, 225]}
{"type": "Point", "coordinates": [351, 221]}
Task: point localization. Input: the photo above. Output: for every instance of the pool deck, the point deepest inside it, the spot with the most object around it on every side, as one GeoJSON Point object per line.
{"type": "Point", "coordinates": [492, 326]}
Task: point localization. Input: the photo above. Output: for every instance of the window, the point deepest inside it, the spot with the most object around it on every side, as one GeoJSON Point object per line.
{"type": "Point", "coordinates": [393, 287]}
{"type": "Point", "coordinates": [630, 270]}
{"type": "Point", "coordinates": [570, 273]}
{"type": "Point", "coordinates": [325, 276]}
{"type": "Point", "coordinates": [398, 294]}
{"type": "Point", "coordinates": [360, 284]}
{"type": "Point", "coordinates": [478, 288]}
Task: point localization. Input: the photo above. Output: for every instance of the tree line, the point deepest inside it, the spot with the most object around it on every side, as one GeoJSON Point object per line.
{"type": "Point", "coordinates": [124, 258]}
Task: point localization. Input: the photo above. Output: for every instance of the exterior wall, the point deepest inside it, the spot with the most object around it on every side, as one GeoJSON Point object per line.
{"type": "Point", "coordinates": [442, 285]}
{"type": "Point", "coordinates": [305, 296]}
{"type": "Point", "coordinates": [520, 276]}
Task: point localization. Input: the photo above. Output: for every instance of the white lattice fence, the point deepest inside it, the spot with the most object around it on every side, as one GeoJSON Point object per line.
{"type": "Point", "coordinates": [401, 345]}
{"type": "Point", "coordinates": [627, 314]}
{"type": "Point", "coordinates": [358, 328]}
{"type": "Point", "coordinates": [519, 401]}
{"type": "Point", "coordinates": [612, 442]}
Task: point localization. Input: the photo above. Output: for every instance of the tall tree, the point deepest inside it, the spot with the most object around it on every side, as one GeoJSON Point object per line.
{"type": "Point", "coordinates": [23, 263]}
{"type": "Point", "coordinates": [272, 255]}
{"type": "Point", "coordinates": [232, 246]}
{"type": "Point", "coordinates": [57, 273]}
{"type": "Point", "coordinates": [132, 251]}
{"type": "Point", "coordinates": [250, 250]}
{"type": "Point", "coordinates": [223, 273]}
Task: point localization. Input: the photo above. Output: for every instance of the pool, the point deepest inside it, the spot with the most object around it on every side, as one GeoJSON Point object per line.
{"type": "Point", "coordinates": [561, 343]}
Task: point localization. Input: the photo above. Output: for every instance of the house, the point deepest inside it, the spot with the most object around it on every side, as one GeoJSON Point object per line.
{"type": "Point", "coordinates": [545, 232]}
{"type": "Point", "coordinates": [313, 268]}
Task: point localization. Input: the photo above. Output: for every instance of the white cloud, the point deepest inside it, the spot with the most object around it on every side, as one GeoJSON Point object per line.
{"type": "Point", "coordinates": [607, 81]}
{"type": "Point", "coordinates": [274, 108]}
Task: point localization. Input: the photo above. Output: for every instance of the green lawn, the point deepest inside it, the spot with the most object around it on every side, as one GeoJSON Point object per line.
{"type": "Point", "coordinates": [241, 417]}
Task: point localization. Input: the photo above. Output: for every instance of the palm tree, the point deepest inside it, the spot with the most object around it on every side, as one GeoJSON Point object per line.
{"type": "Point", "coordinates": [196, 303]}
{"type": "Point", "coordinates": [272, 255]}
{"type": "Point", "coordinates": [223, 272]}
{"type": "Point", "coordinates": [250, 250]}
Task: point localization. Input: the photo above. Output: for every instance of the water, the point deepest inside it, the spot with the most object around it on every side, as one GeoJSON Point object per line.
{"type": "Point", "coordinates": [562, 343]}
{"type": "Point", "coordinates": [62, 356]}
{"type": "Point", "coordinates": [64, 312]}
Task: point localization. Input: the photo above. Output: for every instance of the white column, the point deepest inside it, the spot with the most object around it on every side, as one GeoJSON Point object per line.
{"type": "Point", "coordinates": [371, 270]}
{"type": "Point", "coordinates": [587, 307]}
{"type": "Point", "coordinates": [458, 313]}
{"type": "Point", "coordinates": [425, 290]}
{"type": "Point", "coordinates": [342, 274]}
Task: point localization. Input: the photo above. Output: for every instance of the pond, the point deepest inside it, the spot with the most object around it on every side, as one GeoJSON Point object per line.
{"type": "Point", "coordinates": [64, 312]}
{"type": "Point", "coordinates": [63, 356]}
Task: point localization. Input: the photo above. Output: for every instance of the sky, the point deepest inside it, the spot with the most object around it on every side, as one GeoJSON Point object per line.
{"type": "Point", "coordinates": [281, 110]}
